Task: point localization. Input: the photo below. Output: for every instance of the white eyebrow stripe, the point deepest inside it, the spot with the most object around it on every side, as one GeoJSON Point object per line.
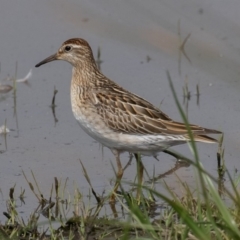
{"type": "Point", "coordinates": [77, 46]}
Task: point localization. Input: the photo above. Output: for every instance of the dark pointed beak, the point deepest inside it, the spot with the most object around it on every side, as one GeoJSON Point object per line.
{"type": "Point", "coordinates": [49, 59]}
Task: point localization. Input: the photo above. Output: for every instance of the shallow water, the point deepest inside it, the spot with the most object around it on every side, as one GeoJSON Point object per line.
{"type": "Point", "coordinates": [139, 41]}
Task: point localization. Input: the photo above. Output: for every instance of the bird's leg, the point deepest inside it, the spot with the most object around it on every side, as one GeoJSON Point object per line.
{"type": "Point", "coordinates": [140, 169]}
{"type": "Point", "coordinates": [119, 174]}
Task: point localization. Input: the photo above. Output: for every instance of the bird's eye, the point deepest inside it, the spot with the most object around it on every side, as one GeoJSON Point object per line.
{"type": "Point", "coordinates": [67, 48]}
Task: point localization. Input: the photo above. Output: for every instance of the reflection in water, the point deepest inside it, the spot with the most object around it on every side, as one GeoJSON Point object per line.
{"type": "Point", "coordinates": [5, 88]}
{"type": "Point", "coordinates": [182, 48]}
{"type": "Point", "coordinates": [15, 98]}
{"type": "Point", "coordinates": [179, 164]}
{"type": "Point", "coordinates": [3, 131]}
{"type": "Point", "coordinates": [187, 95]}
{"type": "Point", "coordinates": [53, 105]}
{"type": "Point", "coordinates": [140, 167]}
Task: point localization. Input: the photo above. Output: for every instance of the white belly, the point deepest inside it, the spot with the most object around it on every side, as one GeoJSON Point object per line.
{"type": "Point", "coordinates": [94, 126]}
{"type": "Point", "coordinates": [145, 144]}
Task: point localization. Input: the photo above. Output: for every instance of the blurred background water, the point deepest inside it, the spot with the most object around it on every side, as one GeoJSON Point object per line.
{"type": "Point", "coordinates": [139, 41]}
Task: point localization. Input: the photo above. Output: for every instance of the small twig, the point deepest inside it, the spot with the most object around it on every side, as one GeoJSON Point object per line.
{"type": "Point", "coordinates": [89, 182]}
{"type": "Point", "coordinates": [99, 61]}
{"type": "Point", "coordinates": [197, 94]}
{"type": "Point", "coordinates": [31, 187]}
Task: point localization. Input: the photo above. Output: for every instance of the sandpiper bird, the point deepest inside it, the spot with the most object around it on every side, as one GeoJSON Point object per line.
{"type": "Point", "coordinates": [115, 117]}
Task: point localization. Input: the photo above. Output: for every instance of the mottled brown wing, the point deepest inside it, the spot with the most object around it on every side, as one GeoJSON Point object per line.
{"type": "Point", "coordinates": [127, 113]}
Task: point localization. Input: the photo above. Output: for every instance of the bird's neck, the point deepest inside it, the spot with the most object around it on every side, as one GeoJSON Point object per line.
{"type": "Point", "coordinates": [84, 75]}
